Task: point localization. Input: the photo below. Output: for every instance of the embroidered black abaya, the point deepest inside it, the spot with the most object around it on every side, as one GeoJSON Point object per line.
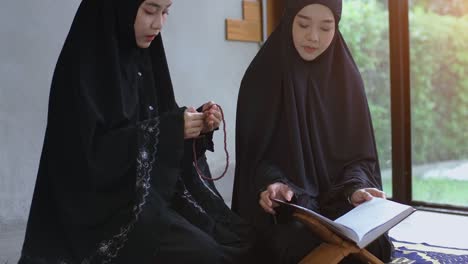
{"type": "Point", "coordinates": [116, 182]}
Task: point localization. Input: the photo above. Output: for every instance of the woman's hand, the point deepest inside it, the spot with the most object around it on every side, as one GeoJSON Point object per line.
{"type": "Point", "coordinates": [276, 190]}
{"type": "Point", "coordinates": [366, 194]}
{"type": "Point", "coordinates": [193, 123]}
{"type": "Point", "coordinates": [213, 117]}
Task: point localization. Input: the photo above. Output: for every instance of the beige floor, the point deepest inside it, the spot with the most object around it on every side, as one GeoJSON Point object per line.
{"type": "Point", "coordinates": [11, 240]}
{"type": "Point", "coordinates": [433, 228]}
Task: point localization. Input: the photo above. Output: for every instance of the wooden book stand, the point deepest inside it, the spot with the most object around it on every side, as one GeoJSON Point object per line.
{"type": "Point", "coordinates": [334, 248]}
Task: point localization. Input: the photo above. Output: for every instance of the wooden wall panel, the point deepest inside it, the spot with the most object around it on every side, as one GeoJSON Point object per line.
{"type": "Point", "coordinates": [250, 27]}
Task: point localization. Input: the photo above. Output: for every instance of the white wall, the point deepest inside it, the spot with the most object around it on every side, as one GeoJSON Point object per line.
{"type": "Point", "coordinates": [203, 65]}
{"type": "Point", "coordinates": [32, 34]}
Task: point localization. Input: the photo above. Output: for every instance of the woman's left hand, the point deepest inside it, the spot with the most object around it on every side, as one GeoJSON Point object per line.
{"type": "Point", "coordinates": [213, 117]}
{"type": "Point", "coordinates": [366, 194]}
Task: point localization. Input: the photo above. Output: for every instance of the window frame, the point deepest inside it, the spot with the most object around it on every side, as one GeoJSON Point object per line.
{"type": "Point", "coordinates": [401, 111]}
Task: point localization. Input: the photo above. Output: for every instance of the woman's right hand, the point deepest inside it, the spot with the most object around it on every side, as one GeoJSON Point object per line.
{"type": "Point", "coordinates": [193, 123]}
{"type": "Point", "coordinates": [276, 190]}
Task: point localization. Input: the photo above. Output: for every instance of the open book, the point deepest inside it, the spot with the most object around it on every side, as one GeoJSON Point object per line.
{"type": "Point", "coordinates": [364, 223]}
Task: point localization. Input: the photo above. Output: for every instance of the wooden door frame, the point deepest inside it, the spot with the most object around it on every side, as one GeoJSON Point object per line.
{"type": "Point", "coordinates": [274, 12]}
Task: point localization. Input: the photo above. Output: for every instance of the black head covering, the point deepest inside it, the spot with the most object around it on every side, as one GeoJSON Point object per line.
{"type": "Point", "coordinates": [303, 123]}
{"type": "Point", "coordinates": [294, 6]}
{"type": "Point", "coordinates": [99, 145]}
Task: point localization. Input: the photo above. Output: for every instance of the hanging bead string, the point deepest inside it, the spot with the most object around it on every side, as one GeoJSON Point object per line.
{"type": "Point", "coordinates": [194, 147]}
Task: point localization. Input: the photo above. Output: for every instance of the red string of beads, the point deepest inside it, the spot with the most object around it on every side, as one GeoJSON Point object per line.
{"type": "Point", "coordinates": [195, 159]}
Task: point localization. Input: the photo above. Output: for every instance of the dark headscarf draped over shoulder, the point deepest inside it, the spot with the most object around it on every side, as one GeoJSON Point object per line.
{"type": "Point", "coordinates": [99, 146]}
{"type": "Point", "coordinates": [303, 123]}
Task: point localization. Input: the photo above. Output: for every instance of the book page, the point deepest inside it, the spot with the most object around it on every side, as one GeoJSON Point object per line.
{"type": "Point", "coordinates": [373, 214]}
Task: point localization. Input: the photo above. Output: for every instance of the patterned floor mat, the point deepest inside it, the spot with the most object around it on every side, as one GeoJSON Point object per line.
{"type": "Point", "coordinates": [412, 253]}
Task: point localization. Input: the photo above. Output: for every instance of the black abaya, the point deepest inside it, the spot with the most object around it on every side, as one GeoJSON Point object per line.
{"type": "Point", "coordinates": [306, 124]}
{"type": "Point", "coordinates": [116, 182]}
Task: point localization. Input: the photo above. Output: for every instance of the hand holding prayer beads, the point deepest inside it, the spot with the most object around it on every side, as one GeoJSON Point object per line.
{"type": "Point", "coordinates": [197, 123]}
{"type": "Point", "coordinates": [212, 116]}
{"type": "Point", "coordinates": [193, 123]}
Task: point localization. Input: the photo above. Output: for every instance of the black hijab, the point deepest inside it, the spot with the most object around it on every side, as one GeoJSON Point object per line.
{"type": "Point", "coordinates": [100, 146]}
{"type": "Point", "coordinates": [303, 123]}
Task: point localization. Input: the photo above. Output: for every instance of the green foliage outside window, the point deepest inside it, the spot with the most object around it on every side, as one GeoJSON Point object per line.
{"type": "Point", "coordinates": [439, 77]}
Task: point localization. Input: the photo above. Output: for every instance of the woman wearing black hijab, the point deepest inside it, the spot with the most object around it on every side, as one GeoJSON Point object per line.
{"type": "Point", "coordinates": [304, 131]}
{"type": "Point", "coordinates": [116, 182]}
